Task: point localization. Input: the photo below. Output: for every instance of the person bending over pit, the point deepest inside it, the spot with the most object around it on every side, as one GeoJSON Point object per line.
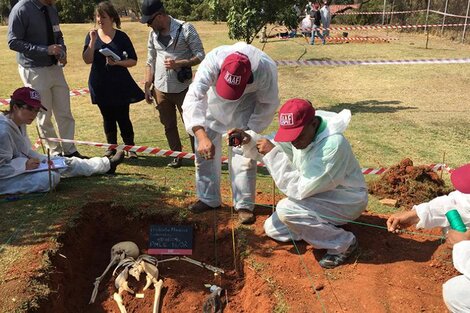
{"type": "Point", "coordinates": [456, 291]}
{"type": "Point", "coordinates": [313, 164]}
{"type": "Point", "coordinates": [19, 163]}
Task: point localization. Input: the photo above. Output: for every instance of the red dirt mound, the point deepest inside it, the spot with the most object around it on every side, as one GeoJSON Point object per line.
{"type": "Point", "coordinates": [408, 184]}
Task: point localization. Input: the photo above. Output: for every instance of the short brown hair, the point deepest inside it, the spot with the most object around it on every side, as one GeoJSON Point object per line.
{"type": "Point", "coordinates": [108, 8]}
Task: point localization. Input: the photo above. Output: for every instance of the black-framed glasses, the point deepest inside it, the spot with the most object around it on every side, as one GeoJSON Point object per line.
{"type": "Point", "coordinates": [150, 21]}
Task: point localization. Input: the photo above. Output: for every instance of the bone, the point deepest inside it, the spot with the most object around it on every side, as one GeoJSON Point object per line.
{"type": "Point", "coordinates": [156, 302]}
{"type": "Point", "coordinates": [117, 297]}
{"type": "Point", "coordinates": [121, 282]}
{"type": "Point", "coordinates": [118, 252]}
{"type": "Point", "coordinates": [152, 274]}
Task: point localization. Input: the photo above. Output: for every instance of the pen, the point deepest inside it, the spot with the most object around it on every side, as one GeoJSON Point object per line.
{"type": "Point", "coordinates": [43, 161]}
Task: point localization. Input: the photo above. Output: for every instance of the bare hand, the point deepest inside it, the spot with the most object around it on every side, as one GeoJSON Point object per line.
{"type": "Point", "coordinates": [56, 50]}
{"type": "Point", "coordinates": [170, 64]}
{"type": "Point", "coordinates": [149, 93]}
{"type": "Point", "coordinates": [206, 149]}
{"type": "Point", "coordinates": [63, 61]}
{"type": "Point", "coordinates": [245, 137]}
{"type": "Point", "coordinates": [32, 164]}
{"type": "Point", "coordinates": [111, 61]}
{"type": "Point", "coordinates": [264, 146]}
{"type": "Point", "coordinates": [454, 236]}
{"type": "Point", "coordinates": [402, 220]}
{"type": "Point", "coordinates": [93, 36]}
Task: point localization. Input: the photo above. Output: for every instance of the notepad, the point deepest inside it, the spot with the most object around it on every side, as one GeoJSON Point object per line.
{"type": "Point", "coordinates": [109, 53]}
{"type": "Point", "coordinates": [58, 164]}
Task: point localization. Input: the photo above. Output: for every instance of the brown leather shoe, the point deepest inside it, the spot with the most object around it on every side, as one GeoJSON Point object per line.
{"type": "Point", "coordinates": [246, 216]}
{"type": "Point", "coordinates": [200, 207]}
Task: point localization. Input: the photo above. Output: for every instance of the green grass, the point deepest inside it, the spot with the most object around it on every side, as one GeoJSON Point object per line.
{"type": "Point", "coordinates": [415, 111]}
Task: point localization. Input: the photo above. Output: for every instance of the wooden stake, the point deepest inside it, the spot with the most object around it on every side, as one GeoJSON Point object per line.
{"type": "Point", "coordinates": [40, 137]}
{"type": "Point", "coordinates": [274, 196]}
{"type": "Point", "coordinates": [49, 169]}
{"type": "Point", "coordinates": [443, 162]}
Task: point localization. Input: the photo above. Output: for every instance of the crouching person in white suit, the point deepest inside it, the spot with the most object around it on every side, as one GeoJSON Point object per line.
{"type": "Point", "coordinates": [19, 164]}
{"type": "Point", "coordinates": [456, 291]}
{"type": "Point", "coordinates": [313, 164]}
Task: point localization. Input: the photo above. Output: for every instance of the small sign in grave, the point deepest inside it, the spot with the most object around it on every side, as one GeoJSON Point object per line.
{"type": "Point", "coordinates": [171, 239]}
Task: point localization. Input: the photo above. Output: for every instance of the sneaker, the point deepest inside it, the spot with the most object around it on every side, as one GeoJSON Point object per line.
{"type": "Point", "coordinates": [200, 207]}
{"type": "Point", "coordinates": [115, 161]}
{"type": "Point", "coordinates": [177, 162]}
{"type": "Point", "coordinates": [76, 154]}
{"type": "Point", "coordinates": [133, 155]}
{"type": "Point", "coordinates": [333, 260]}
{"type": "Point", "coordinates": [110, 153]}
{"type": "Point", "coordinates": [246, 216]}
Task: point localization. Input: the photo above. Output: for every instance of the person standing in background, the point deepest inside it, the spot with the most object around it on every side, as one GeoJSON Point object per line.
{"type": "Point", "coordinates": [111, 85]}
{"type": "Point", "coordinates": [325, 20]}
{"type": "Point", "coordinates": [34, 32]}
{"type": "Point", "coordinates": [174, 47]}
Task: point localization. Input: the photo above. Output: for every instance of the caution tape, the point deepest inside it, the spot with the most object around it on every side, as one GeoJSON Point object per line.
{"type": "Point", "coordinates": [380, 13]}
{"type": "Point", "coordinates": [192, 156]}
{"type": "Point", "coordinates": [371, 62]}
{"type": "Point", "coordinates": [73, 93]}
{"type": "Point", "coordinates": [359, 39]}
{"type": "Point", "coordinates": [377, 27]}
{"type": "Point", "coordinates": [448, 14]}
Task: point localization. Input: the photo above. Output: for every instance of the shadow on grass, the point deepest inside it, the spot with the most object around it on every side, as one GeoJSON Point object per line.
{"type": "Point", "coordinates": [370, 106]}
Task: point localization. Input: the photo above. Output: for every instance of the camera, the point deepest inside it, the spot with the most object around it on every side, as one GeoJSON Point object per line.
{"type": "Point", "coordinates": [184, 74]}
{"type": "Point", "coordinates": [235, 139]}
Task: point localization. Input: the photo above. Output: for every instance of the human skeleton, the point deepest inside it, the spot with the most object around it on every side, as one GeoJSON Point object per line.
{"type": "Point", "coordinates": [126, 255]}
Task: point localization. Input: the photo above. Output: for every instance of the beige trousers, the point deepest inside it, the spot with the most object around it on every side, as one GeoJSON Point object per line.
{"type": "Point", "coordinates": [50, 82]}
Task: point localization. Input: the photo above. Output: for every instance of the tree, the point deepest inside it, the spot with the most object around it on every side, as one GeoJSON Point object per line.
{"type": "Point", "coordinates": [72, 11]}
{"type": "Point", "coordinates": [247, 17]}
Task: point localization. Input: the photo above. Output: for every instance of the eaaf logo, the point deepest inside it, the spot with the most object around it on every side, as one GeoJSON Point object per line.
{"type": "Point", "coordinates": [232, 79]}
{"type": "Point", "coordinates": [286, 119]}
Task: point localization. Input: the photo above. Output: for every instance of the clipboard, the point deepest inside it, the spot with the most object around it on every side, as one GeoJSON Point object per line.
{"type": "Point", "coordinates": [109, 53]}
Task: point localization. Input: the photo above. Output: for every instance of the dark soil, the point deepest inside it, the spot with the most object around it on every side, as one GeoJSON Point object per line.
{"type": "Point", "coordinates": [408, 184]}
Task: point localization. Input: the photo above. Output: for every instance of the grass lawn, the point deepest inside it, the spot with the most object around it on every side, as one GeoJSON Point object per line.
{"type": "Point", "coordinates": [415, 111]}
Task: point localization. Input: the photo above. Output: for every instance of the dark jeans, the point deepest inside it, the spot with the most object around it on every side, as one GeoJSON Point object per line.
{"type": "Point", "coordinates": [114, 115]}
{"type": "Point", "coordinates": [167, 104]}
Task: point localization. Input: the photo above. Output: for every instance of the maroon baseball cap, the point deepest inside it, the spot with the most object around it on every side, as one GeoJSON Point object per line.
{"type": "Point", "coordinates": [293, 116]}
{"type": "Point", "coordinates": [29, 97]}
{"type": "Point", "coordinates": [234, 75]}
{"type": "Point", "coordinates": [460, 178]}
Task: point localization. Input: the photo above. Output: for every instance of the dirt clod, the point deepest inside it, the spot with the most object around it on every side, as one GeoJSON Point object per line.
{"type": "Point", "coordinates": [408, 184]}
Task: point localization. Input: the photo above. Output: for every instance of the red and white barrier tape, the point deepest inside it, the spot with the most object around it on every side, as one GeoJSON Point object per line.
{"type": "Point", "coordinates": [371, 62]}
{"type": "Point", "coordinates": [359, 39]}
{"type": "Point", "coordinates": [73, 93]}
{"type": "Point", "coordinates": [188, 155]}
{"type": "Point", "coordinates": [375, 27]}
{"type": "Point", "coordinates": [379, 13]}
{"type": "Point", "coordinates": [448, 14]}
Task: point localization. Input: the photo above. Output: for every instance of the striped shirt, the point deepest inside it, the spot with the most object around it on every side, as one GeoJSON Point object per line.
{"type": "Point", "coordinates": [187, 46]}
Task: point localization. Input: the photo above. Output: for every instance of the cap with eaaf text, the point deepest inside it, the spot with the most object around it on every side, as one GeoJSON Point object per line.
{"type": "Point", "coordinates": [293, 116]}
{"type": "Point", "coordinates": [235, 74]}
{"type": "Point", "coordinates": [28, 96]}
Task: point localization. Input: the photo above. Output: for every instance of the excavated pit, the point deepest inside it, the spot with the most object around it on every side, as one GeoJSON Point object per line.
{"type": "Point", "coordinates": [85, 253]}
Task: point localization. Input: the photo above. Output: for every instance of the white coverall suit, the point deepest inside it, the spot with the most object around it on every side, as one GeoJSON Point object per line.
{"type": "Point", "coordinates": [14, 149]}
{"type": "Point", "coordinates": [323, 183]}
{"type": "Point", "coordinates": [254, 110]}
{"type": "Point", "coordinates": [456, 291]}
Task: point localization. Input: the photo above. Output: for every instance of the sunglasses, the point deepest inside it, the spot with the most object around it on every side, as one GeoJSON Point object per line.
{"type": "Point", "coordinates": [150, 21]}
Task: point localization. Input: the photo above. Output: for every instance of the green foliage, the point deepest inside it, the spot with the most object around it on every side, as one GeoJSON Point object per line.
{"type": "Point", "coordinates": [72, 11]}
{"type": "Point", "coordinates": [247, 17]}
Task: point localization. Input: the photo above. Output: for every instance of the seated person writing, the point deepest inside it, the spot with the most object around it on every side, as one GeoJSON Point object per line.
{"type": "Point", "coordinates": [19, 163]}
